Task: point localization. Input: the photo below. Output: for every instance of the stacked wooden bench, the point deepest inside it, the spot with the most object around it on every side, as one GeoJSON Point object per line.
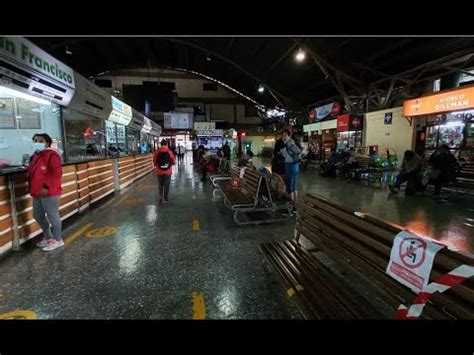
{"type": "Point", "coordinates": [342, 276]}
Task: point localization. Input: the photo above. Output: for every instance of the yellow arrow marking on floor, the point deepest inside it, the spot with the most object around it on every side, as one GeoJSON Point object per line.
{"type": "Point", "coordinates": [101, 232]}
{"type": "Point", "coordinates": [199, 309]}
{"type": "Point", "coordinates": [76, 235]}
{"type": "Point", "coordinates": [18, 314]}
{"type": "Point", "coordinates": [196, 226]}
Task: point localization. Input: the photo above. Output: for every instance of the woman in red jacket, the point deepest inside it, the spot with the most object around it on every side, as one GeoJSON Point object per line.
{"type": "Point", "coordinates": [44, 175]}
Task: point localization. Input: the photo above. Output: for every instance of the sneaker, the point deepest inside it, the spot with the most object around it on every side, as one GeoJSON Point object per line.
{"type": "Point", "coordinates": [161, 200]}
{"type": "Point", "coordinates": [165, 200]}
{"type": "Point", "coordinates": [53, 244]}
{"type": "Point", "coordinates": [393, 189]}
{"type": "Point", "coordinates": [42, 243]}
{"type": "Point", "coordinates": [287, 213]}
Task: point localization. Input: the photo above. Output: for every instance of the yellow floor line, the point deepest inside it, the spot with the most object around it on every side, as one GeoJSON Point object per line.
{"type": "Point", "coordinates": [196, 226]}
{"type": "Point", "coordinates": [199, 309]}
{"type": "Point", "coordinates": [76, 235]}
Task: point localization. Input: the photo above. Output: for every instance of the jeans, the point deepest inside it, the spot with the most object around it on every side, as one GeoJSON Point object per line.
{"type": "Point", "coordinates": [291, 173]}
{"type": "Point", "coordinates": [164, 186]}
{"type": "Point", "coordinates": [46, 213]}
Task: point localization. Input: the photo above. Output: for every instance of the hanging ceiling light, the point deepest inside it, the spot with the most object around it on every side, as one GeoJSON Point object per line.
{"type": "Point", "coordinates": [208, 57]}
{"type": "Point", "coordinates": [261, 89]}
{"type": "Point", "coordinates": [68, 51]}
{"type": "Point", "coordinates": [300, 55]}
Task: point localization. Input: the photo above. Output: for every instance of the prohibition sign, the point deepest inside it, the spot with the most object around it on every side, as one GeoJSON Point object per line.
{"type": "Point", "coordinates": [412, 252]}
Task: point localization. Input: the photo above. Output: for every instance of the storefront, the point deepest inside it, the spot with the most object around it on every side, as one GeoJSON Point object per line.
{"type": "Point", "coordinates": [322, 137]}
{"type": "Point", "coordinates": [33, 87]}
{"type": "Point", "coordinates": [349, 131]}
{"type": "Point", "coordinates": [84, 121]}
{"type": "Point", "coordinates": [443, 118]}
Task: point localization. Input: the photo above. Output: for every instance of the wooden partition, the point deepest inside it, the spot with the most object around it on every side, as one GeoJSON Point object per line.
{"type": "Point", "coordinates": [101, 179]}
{"type": "Point", "coordinates": [6, 224]}
{"type": "Point", "coordinates": [82, 184]}
{"type": "Point", "coordinates": [143, 164]}
{"type": "Point", "coordinates": [126, 171]}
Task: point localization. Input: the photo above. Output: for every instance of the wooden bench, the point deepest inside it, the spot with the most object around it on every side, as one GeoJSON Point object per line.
{"type": "Point", "coordinates": [342, 276]}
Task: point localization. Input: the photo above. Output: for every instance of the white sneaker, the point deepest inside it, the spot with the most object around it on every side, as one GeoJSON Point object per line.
{"type": "Point", "coordinates": [53, 244]}
{"type": "Point", "coordinates": [42, 243]}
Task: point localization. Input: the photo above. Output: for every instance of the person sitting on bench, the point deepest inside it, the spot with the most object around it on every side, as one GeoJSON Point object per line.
{"type": "Point", "coordinates": [409, 171]}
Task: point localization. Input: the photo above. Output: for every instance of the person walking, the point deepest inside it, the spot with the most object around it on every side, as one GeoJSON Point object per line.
{"type": "Point", "coordinates": [163, 159]}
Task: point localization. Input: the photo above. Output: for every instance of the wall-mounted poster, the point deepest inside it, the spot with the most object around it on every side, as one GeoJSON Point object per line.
{"type": "Point", "coordinates": [7, 113]}
{"type": "Point", "coordinates": [388, 118]}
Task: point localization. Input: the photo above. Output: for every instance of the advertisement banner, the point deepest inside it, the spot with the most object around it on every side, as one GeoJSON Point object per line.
{"type": "Point", "coordinates": [356, 123]}
{"type": "Point", "coordinates": [333, 110]}
{"type": "Point", "coordinates": [121, 113]}
{"type": "Point", "coordinates": [178, 120]}
{"type": "Point", "coordinates": [343, 123]}
{"type": "Point", "coordinates": [27, 68]}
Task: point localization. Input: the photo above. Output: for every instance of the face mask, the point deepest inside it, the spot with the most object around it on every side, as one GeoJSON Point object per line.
{"type": "Point", "coordinates": [38, 147]}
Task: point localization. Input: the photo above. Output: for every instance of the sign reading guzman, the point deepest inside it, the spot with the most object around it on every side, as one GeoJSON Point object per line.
{"type": "Point", "coordinates": [27, 68]}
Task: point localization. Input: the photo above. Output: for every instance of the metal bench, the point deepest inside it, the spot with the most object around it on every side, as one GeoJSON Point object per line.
{"type": "Point", "coordinates": [247, 194]}
{"type": "Point", "coordinates": [342, 275]}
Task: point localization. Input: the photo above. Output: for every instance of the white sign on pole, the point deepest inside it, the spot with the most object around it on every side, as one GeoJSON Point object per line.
{"type": "Point", "coordinates": [411, 260]}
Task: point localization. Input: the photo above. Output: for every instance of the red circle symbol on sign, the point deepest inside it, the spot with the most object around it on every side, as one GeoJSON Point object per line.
{"type": "Point", "coordinates": [412, 252]}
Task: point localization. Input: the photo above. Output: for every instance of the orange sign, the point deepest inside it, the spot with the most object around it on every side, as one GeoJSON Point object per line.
{"type": "Point", "coordinates": [443, 102]}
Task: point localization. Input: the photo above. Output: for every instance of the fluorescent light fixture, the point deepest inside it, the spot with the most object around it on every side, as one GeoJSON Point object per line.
{"type": "Point", "coordinates": [300, 55]}
{"type": "Point", "coordinates": [23, 95]}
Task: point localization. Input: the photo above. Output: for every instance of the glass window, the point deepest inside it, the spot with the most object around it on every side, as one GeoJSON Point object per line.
{"type": "Point", "coordinates": [133, 140]}
{"type": "Point", "coordinates": [121, 140]}
{"type": "Point", "coordinates": [111, 136]}
{"type": "Point", "coordinates": [85, 136]}
{"type": "Point", "coordinates": [20, 119]}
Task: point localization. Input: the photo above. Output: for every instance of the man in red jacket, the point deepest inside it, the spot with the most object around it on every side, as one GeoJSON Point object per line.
{"type": "Point", "coordinates": [44, 177]}
{"type": "Point", "coordinates": [164, 159]}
